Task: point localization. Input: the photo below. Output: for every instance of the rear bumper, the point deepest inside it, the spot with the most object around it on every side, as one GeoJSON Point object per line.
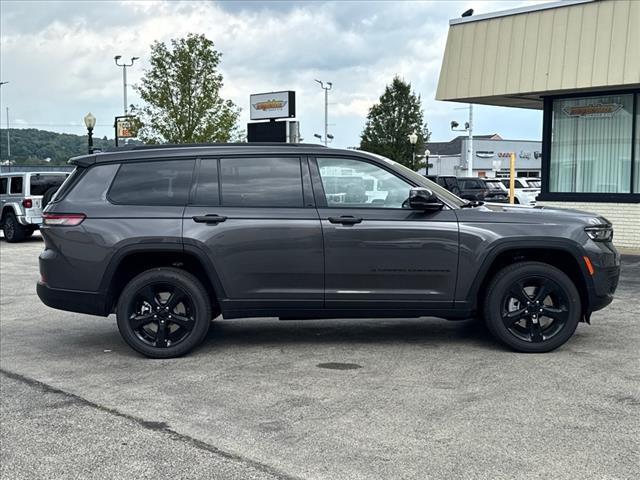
{"type": "Point", "coordinates": [93, 303]}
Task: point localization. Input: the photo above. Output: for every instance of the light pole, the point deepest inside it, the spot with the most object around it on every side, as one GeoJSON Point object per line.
{"type": "Point", "coordinates": [90, 122]}
{"type": "Point", "coordinates": [8, 136]}
{"type": "Point", "coordinates": [468, 127]}
{"type": "Point", "coordinates": [427, 152]}
{"type": "Point", "coordinates": [326, 89]}
{"type": "Point", "coordinates": [413, 139]}
{"type": "Point", "coordinates": [124, 77]}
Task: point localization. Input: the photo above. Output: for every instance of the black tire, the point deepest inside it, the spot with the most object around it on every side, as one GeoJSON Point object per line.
{"type": "Point", "coordinates": [532, 307]}
{"type": "Point", "coordinates": [48, 195]}
{"type": "Point", "coordinates": [13, 231]}
{"type": "Point", "coordinates": [156, 332]}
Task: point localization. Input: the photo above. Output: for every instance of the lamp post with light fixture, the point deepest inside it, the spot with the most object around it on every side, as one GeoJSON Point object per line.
{"type": "Point", "coordinates": [413, 139]}
{"type": "Point", "coordinates": [427, 152]}
{"type": "Point", "coordinates": [124, 76]}
{"type": "Point", "coordinates": [90, 122]}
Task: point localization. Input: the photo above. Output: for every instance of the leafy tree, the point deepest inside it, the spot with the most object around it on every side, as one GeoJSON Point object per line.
{"type": "Point", "coordinates": [182, 99]}
{"type": "Point", "coordinates": [389, 123]}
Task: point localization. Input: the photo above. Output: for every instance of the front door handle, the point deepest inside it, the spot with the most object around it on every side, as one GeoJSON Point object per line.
{"type": "Point", "coordinates": [210, 218]}
{"type": "Point", "coordinates": [345, 220]}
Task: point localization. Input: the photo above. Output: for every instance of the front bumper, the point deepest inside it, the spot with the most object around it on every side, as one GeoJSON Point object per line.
{"type": "Point", "coordinates": [93, 303]}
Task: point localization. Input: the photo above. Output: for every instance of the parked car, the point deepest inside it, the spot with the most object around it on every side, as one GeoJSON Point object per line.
{"type": "Point", "coordinates": [473, 188]}
{"type": "Point", "coordinates": [497, 191]}
{"type": "Point", "coordinates": [450, 182]}
{"type": "Point", "coordinates": [524, 191]}
{"type": "Point", "coordinates": [23, 196]}
{"type": "Point", "coordinates": [170, 237]}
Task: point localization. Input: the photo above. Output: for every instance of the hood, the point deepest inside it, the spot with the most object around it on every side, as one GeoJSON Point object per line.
{"type": "Point", "coordinates": [506, 213]}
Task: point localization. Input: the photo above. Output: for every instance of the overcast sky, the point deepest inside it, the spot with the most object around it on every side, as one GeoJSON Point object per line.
{"type": "Point", "coordinates": [58, 58]}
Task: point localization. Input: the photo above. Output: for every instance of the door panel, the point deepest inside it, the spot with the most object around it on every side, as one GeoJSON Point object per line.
{"type": "Point", "coordinates": [399, 258]}
{"type": "Point", "coordinates": [262, 254]}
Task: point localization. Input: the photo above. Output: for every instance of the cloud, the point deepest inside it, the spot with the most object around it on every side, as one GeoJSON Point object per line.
{"type": "Point", "coordinates": [58, 57]}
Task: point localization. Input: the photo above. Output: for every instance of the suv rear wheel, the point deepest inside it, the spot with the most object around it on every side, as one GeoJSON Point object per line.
{"type": "Point", "coordinates": [13, 231]}
{"type": "Point", "coordinates": [164, 313]}
{"type": "Point", "coordinates": [532, 307]}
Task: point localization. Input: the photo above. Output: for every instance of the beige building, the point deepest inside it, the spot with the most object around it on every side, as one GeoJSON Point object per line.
{"type": "Point", "coordinates": [579, 62]}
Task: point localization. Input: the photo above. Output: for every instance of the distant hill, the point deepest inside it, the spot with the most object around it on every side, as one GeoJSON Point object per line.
{"type": "Point", "coordinates": [30, 146]}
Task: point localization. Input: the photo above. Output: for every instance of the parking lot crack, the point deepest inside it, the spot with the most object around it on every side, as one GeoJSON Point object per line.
{"type": "Point", "coordinates": [155, 426]}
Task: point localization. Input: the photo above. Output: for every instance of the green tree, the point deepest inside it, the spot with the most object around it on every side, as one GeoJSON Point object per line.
{"type": "Point", "coordinates": [389, 123]}
{"type": "Point", "coordinates": [182, 99]}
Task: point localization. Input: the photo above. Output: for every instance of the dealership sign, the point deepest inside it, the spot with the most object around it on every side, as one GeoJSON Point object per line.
{"type": "Point", "coordinates": [593, 110]}
{"type": "Point", "coordinates": [273, 105]}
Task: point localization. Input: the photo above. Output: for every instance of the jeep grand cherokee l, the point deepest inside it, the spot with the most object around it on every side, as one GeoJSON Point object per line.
{"type": "Point", "coordinates": [170, 237]}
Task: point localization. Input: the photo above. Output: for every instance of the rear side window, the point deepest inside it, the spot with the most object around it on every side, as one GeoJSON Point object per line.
{"type": "Point", "coordinates": [42, 183]}
{"type": "Point", "coordinates": [16, 185]}
{"type": "Point", "coordinates": [153, 183]}
{"type": "Point", "coordinates": [261, 182]}
{"type": "Point", "coordinates": [3, 185]}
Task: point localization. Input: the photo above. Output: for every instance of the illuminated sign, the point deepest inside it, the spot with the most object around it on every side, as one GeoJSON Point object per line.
{"type": "Point", "coordinates": [272, 105]}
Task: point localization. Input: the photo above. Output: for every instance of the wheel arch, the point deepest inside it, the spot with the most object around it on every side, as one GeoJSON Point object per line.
{"type": "Point", "coordinates": [135, 259]}
{"type": "Point", "coordinates": [564, 255]}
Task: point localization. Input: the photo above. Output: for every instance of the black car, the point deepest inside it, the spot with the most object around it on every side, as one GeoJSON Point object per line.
{"type": "Point", "coordinates": [497, 191]}
{"type": "Point", "coordinates": [472, 188]}
{"type": "Point", "coordinates": [450, 182]}
{"type": "Point", "coordinates": [170, 237]}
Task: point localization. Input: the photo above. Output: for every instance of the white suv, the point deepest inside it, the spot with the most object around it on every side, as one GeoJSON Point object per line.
{"type": "Point", "coordinates": [526, 189]}
{"type": "Point", "coordinates": [22, 198]}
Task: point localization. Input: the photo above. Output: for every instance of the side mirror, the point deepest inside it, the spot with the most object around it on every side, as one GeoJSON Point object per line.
{"type": "Point", "coordinates": [423, 199]}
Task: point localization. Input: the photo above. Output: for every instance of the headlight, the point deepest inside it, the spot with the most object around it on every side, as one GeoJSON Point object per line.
{"type": "Point", "coordinates": [600, 233]}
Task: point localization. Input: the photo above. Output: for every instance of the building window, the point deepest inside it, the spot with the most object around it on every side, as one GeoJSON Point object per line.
{"type": "Point", "coordinates": [591, 145]}
{"type": "Point", "coordinates": [636, 149]}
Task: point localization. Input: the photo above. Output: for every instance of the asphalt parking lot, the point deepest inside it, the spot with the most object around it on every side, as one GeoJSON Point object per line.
{"type": "Point", "coordinates": [345, 399]}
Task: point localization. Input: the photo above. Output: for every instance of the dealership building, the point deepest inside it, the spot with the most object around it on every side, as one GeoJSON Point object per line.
{"type": "Point", "coordinates": [579, 62]}
{"type": "Point", "coordinates": [490, 156]}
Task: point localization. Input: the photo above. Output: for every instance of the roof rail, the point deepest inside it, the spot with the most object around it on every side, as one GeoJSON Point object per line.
{"type": "Point", "coordinates": [187, 145]}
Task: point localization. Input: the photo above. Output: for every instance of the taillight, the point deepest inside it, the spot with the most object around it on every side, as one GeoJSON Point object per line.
{"type": "Point", "coordinates": [27, 203]}
{"type": "Point", "coordinates": [63, 219]}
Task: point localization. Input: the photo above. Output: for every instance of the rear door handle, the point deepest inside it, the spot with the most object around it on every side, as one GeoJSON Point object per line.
{"type": "Point", "coordinates": [345, 220]}
{"type": "Point", "coordinates": [211, 218]}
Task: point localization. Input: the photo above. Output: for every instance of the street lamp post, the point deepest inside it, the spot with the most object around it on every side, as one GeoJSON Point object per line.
{"type": "Point", "coordinates": [427, 152]}
{"type": "Point", "coordinates": [124, 77]}
{"type": "Point", "coordinates": [326, 89]}
{"type": "Point", "coordinates": [413, 139]}
{"type": "Point", "coordinates": [90, 122]}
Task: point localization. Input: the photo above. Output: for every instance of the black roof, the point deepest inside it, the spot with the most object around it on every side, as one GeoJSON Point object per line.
{"type": "Point", "coordinates": [140, 152]}
{"type": "Point", "coordinates": [454, 147]}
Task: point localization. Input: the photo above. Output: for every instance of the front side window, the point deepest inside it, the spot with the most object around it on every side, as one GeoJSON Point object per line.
{"type": "Point", "coordinates": [591, 144]}
{"type": "Point", "coordinates": [153, 183]}
{"type": "Point", "coordinates": [358, 184]}
{"type": "Point", "coordinates": [261, 182]}
{"type": "Point", "coordinates": [16, 185]}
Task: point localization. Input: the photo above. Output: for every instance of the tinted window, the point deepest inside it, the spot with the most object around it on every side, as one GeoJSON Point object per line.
{"type": "Point", "coordinates": [261, 182]}
{"type": "Point", "coordinates": [354, 183]}
{"type": "Point", "coordinates": [207, 188]}
{"type": "Point", "coordinates": [472, 184]}
{"type": "Point", "coordinates": [153, 183]}
{"type": "Point", "coordinates": [42, 183]}
{"type": "Point", "coordinates": [16, 185]}
{"type": "Point", "coordinates": [3, 185]}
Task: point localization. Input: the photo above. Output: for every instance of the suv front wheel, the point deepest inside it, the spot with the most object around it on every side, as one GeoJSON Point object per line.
{"type": "Point", "coordinates": [164, 313]}
{"type": "Point", "coordinates": [532, 307]}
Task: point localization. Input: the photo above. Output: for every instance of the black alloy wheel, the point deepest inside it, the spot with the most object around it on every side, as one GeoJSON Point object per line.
{"type": "Point", "coordinates": [161, 315]}
{"type": "Point", "coordinates": [532, 307]}
{"type": "Point", "coordinates": [13, 231]}
{"type": "Point", "coordinates": [535, 309]}
{"type": "Point", "coordinates": [164, 312]}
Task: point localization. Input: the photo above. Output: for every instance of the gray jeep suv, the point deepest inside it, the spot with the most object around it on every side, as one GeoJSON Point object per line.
{"type": "Point", "coordinates": [170, 237]}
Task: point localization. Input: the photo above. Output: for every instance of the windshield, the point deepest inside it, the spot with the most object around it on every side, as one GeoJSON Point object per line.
{"type": "Point", "coordinates": [534, 183]}
{"type": "Point", "coordinates": [441, 192]}
{"type": "Point", "coordinates": [492, 185]}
